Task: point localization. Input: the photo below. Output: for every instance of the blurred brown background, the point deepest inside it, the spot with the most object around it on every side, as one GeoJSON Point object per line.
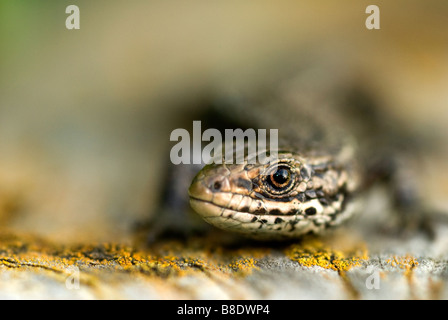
{"type": "Point", "coordinates": [85, 115]}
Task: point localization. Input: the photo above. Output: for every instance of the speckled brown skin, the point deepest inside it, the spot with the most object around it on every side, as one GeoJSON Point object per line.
{"type": "Point", "coordinates": [241, 198]}
{"type": "Point", "coordinates": [334, 143]}
{"type": "Point", "coordinates": [317, 147]}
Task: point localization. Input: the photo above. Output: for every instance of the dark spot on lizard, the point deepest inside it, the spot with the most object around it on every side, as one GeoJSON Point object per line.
{"type": "Point", "coordinates": [260, 210]}
{"type": "Point", "coordinates": [287, 199]}
{"type": "Point", "coordinates": [243, 183]}
{"type": "Point", "coordinates": [275, 212]}
{"type": "Point", "coordinates": [278, 220]}
{"type": "Point", "coordinates": [320, 193]}
{"type": "Point", "coordinates": [301, 197]}
{"type": "Point", "coordinates": [310, 194]}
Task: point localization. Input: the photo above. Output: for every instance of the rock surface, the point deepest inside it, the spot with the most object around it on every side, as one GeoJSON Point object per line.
{"type": "Point", "coordinates": [346, 264]}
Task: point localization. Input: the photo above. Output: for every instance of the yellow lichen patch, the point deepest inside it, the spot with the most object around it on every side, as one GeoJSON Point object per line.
{"type": "Point", "coordinates": [243, 266]}
{"type": "Point", "coordinates": [406, 263]}
{"type": "Point", "coordinates": [314, 253]}
{"type": "Point", "coordinates": [101, 261]}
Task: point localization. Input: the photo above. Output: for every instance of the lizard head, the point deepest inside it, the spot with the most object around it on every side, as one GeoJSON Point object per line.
{"type": "Point", "coordinates": [284, 198]}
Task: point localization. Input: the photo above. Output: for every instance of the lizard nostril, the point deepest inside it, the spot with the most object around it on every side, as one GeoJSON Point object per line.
{"type": "Point", "coordinates": [216, 186]}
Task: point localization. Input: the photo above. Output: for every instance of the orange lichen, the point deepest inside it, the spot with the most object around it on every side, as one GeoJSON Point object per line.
{"type": "Point", "coordinates": [316, 254]}
{"type": "Point", "coordinates": [243, 266]}
{"type": "Point", "coordinates": [406, 263]}
{"type": "Point", "coordinates": [167, 259]}
{"type": "Point", "coordinates": [107, 263]}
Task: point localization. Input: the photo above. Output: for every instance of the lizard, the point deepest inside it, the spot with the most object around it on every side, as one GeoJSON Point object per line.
{"type": "Point", "coordinates": [333, 145]}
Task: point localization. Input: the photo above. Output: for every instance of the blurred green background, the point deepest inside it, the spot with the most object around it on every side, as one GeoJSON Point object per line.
{"type": "Point", "coordinates": [85, 115]}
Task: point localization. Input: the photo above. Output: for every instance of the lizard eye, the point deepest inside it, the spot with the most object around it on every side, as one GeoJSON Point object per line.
{"type": "Point", "coordinates": [280, 180]}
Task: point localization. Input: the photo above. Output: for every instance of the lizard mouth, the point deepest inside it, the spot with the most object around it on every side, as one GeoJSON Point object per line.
{"type": "Point", "coordinates": [246, 223]}
{"type": "Point", "coordinates": [240, 212]}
